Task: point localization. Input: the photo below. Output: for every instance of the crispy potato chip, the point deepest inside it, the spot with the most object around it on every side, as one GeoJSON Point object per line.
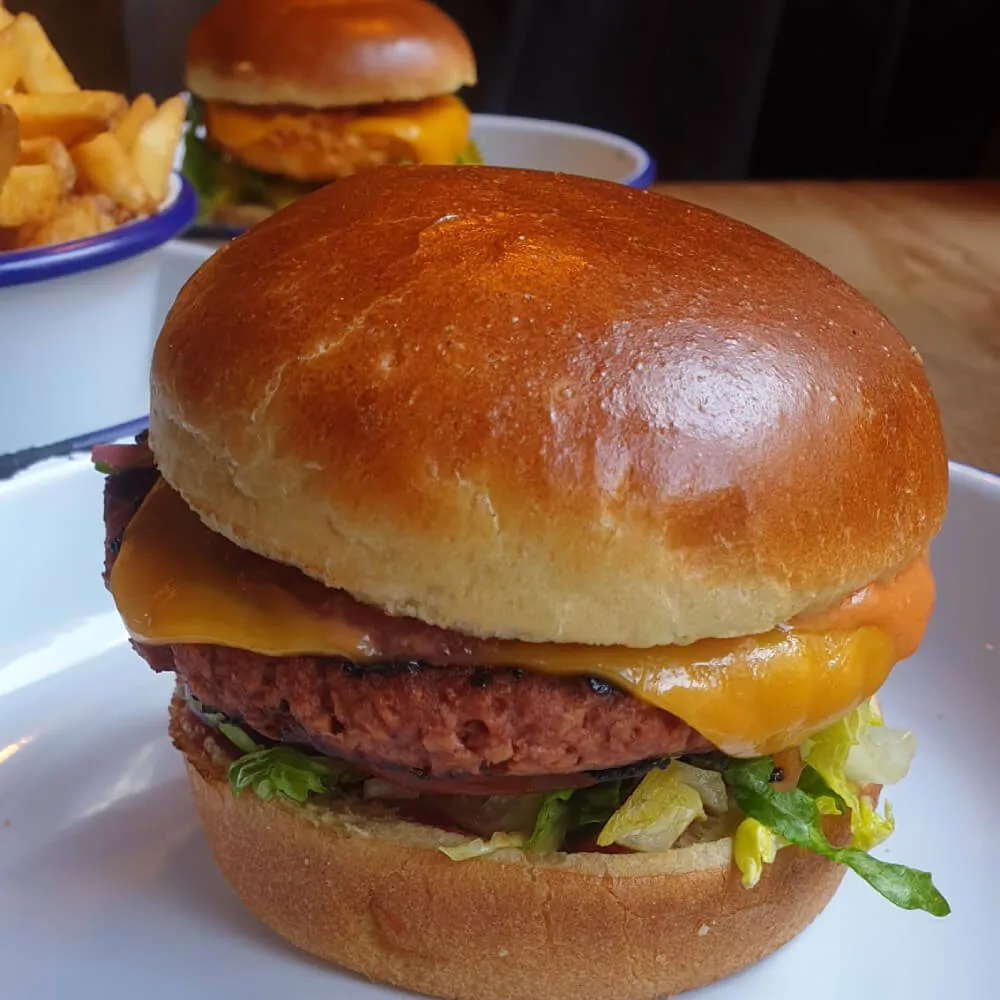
{"type": "Point", "coordinates": [153, 153]}
{"type": "Point", "coordinates": [6, 17]}
{"type": "Point", "coordinates": [105, 166]}
{"type": "Point", "coordinates": [68, 117]}
{"type": "Point", "coordinates": [44, 71]}
{"type": "Point", "coordinates": [143, 108]}
{"type": "Point", "coordinates": [12, 61]}
{"type": "Point", "coordinates": [8, 141]}
{"type": "Point", "coordinates": [30, 194]}
{"type": "Point", "coordinates": [51, 151]}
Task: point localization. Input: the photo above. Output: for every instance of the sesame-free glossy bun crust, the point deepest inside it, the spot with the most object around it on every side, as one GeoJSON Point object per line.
{"type": "Point", "coordinates": [360, 889]}
{"type": "Point", "coordinates": [327, 53]}
{"type": "Point", "coordinates": [545, 407]}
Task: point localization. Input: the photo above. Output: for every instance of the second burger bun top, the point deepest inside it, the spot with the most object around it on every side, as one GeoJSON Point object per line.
{"type": "Point", "coordinates": [539, 406]}
{"type": "Point", "coordinates": [327, 53]}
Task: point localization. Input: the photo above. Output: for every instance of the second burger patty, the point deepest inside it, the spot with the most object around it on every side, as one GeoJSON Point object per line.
{"type": "Point", "coordinates": [437, 722]}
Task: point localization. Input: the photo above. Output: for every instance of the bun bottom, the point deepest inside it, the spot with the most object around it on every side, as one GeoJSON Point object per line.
{"type": "Point", "coordinates": [352, 885]}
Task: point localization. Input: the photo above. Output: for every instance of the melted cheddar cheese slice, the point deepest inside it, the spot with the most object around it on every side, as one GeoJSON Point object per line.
{"type": "Point", "coordinates": [435, 131]}
{"type": "Point", "coordinates": [176, 581]}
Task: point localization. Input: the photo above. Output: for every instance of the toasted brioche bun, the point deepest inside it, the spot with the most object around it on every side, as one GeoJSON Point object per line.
{"type": "Point", "coordinates": [327, 53]}
{"type": "Point", "coordinates": [359, 888]}
{"type": "Point", "coordinates": [544, 407]}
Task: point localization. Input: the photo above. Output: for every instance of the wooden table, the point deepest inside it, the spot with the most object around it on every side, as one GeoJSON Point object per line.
{"type": "Point", "coordinates": [928, 254]}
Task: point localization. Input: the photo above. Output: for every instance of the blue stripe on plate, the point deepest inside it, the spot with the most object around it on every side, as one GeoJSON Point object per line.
{"type": "Point", "coordinates": [18, 461]}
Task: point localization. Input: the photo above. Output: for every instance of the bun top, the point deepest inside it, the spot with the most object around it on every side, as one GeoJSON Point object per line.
{"type": "Point", "coordinates": [545, 407]}
{"type": "Point", "coordinates": [327, 53]}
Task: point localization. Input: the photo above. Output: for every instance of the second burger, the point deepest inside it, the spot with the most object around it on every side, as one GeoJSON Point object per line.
{"type": "Point", "coordinates": [289, 96]}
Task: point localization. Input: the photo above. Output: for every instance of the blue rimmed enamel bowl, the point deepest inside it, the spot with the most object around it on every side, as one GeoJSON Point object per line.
{"type": "Point", "coordinates": [537, 144]}
{"type": "Point", "coordinates": [77, 326]}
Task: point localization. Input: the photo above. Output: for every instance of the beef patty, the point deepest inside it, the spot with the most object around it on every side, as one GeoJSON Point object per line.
{"type": "Point", "coordinates": [410, 718]}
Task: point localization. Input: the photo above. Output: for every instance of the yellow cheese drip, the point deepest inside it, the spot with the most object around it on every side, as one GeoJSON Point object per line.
{"type": "Point", "coordinates": [175, 581]}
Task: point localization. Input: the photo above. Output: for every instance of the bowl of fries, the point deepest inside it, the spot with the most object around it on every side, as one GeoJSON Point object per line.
{"type": "Point", "coordinates": [88, 195]}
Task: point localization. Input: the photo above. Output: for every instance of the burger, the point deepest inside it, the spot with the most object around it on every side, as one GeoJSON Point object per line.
{"type": "Point", "coordinates": [529, 551]}
{"type": "Point", "coordinates": [289, 95]}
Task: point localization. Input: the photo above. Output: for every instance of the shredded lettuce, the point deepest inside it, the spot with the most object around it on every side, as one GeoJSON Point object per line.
{"type": "Point", "coordinates": [237, 736]}
{"type": "Point", "coordinates": [596, 804]}
{"type": "Point", "coordinates": [661, 808]}
{"type": "Point", "coordinates": [285, 771]}
{"type": "Point", "coordinates": [470, 156]}
{"type": "Point", "coordinates": [709, 785]}
{"type": "Point", "coordinates": [881, 756]}
{"type": "Point", "coordinates": [207, 715]}
{"type": "Point", "coordinates": [569, 809]}
{"type": "Point", "coordinates": [477, 847]}
{"type": "Point", "coordinates": [202, 164]}
{"type": "Point", "coordinates": [754, 845]}
{"type": "Point", "coordinates": [552, 823]}
{"type": "Point", "coordinates": [277, 770]}
{"type": "Point", "coordinates": [794, 816]}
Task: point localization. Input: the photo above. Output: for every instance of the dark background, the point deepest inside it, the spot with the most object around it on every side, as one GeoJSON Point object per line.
{"type": "Point", "coordinates": [715, 89]}
{"type": "Point", "coordinates": [763, 88]}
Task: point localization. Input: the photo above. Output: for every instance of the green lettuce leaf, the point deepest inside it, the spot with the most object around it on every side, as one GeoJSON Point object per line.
{"type": "Point", "coordinates": [285, 771]}
{"type": "Point", "coordinates": [596, 804]}
{"type": "Point", "coordinates": [470, 156]}
{"type": "Point", "coordinates": [660, 809]}
{"type": "Point", "coordinates": [552, 823]}
{"type": "Point", "coordinates": [794, 816]}
{"type": "Point", "coordinates": [210, 718]}
{"type": "Point", "coordinates": [237, 736]}
{"type": "Point", "coordinates": [203, 167]}
{"type": "Point", "coordinates": [709, 785]}
{"type": "Point", "coordinates": [880, 756]}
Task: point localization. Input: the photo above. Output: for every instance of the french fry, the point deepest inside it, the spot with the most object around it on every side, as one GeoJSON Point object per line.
{"type": "Point", "coordinates": [12, 61]}
{"type": "Point", "coordinates": [105, 166]}
{"type": "Point", "coordinates": [153, 152]}
{"type": "Point", "coordinates": [30, 194]}
{"type": "Point", "coordinates": [44, 71]}
{"type": "Point", "coordinates": [73, 163]}
{"type": "Point", "coordinates": [53, 152]}
{"type": "Point", "coordinates": [68, 117]}
{"type": "Point", "coordinates": [9, 136]}
{"type": "Point", "coordinates": [75, 219]}
{"type": "Point", "coordinates": [143, 108]}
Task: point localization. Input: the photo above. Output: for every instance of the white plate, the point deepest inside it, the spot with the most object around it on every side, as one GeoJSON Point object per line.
{"type": "Point", "coordinates": [107, 888]}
